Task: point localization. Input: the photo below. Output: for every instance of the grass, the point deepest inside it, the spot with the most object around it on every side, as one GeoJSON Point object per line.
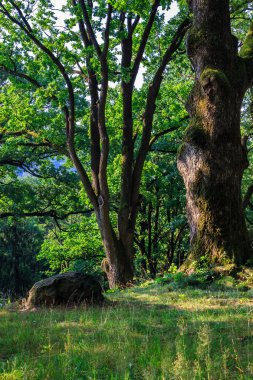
{"type": "Point", "coordinates": [147, 332]}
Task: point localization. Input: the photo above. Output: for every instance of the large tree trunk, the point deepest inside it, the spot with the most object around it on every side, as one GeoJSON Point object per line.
{"type": "Point", "coordinates": [212, 159]}
{"type": "Point", "coordinates": [118, 264]}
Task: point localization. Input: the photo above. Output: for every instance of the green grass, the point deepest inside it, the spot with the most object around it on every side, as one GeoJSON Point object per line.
{"type": "Point", "coordinates": [143, 333]}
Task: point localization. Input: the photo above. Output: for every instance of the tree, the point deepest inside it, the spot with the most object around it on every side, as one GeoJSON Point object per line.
{"type": "Point", "coordinates": [20, 242]}
{"type": "Point", "coordinates": [161, 234]}
{"type": "Point", "coordinates": [70, 70]}
{"type": "Point", "coordinates": [76, 244]}
{"type": "Point", "coordinates": [213, 156]}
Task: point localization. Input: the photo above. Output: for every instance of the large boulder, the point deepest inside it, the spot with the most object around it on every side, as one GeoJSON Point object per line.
{"type": "Point", "coordinates": [65, 289]}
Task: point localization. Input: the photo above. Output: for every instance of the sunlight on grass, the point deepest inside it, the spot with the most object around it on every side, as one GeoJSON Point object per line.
{"type": "Point", "coordinates": [13, 375]}
{"type": "Point", "coordinates": [141, 333]}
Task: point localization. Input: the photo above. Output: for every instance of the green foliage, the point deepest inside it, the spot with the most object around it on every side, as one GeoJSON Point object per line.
{"type": "Point", "coordinates": [76, 247]}
{"type": "Point", "coordinates": [202, 276]}
{"type": "Point", "coordinates": [136, 6]}
{"type": "Point", "coordinates": [246, 51]}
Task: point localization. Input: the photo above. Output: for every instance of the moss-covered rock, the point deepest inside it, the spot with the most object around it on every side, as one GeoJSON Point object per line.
{"type": "Point", "coordinates": [65, 289]}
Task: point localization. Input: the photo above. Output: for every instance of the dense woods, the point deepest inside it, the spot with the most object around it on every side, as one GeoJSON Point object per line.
{"type": "Point", "coordinates": [104, 106]}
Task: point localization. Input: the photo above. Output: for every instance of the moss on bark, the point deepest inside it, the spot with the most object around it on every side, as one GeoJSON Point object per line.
{"type": "Point", "coordinates": [210, 75]}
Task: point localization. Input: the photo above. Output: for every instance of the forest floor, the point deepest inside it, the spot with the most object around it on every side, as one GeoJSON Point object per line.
{"type": "Point", "coordinates": [148, 332]}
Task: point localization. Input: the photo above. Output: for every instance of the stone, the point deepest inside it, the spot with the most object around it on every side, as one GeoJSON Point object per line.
{"type": "Point", "coordinates": [71, 288]}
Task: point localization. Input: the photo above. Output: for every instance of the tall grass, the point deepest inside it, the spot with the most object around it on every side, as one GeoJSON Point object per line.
{"type": "Point", "coordinates": [142, 333]}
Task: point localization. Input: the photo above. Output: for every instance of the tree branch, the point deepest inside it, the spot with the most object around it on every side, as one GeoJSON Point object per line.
{"type": "Point", "coordinates": [23, 18]}
{"type": "Point", "coordinates": [27, 133]}
{"type": "Point", "coordinates": [134, 24]}
{"type": "Point", "coordinates": [247, 197]}
{"type": "Point", "coordinates": [83, 32]}
{"type": "Point", "coordinates": [34, 82]}
{"type": "Point", "coordinates": [144, 40]}
{"type": "Point", "coordinates": [107, 31]}
{"type": "Point", "coordinates": [93, 88]}
{"type": "Point", "coordinates": [50, 213]}
{"type": "Point", "coordinates": [90, 30]}
{"type": "Point", "coordinates": [166, 131]}
{"type": "Point", "coordinates": [150, 108]}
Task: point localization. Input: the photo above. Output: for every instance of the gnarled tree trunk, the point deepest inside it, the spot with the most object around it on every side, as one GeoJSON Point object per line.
{"type": "Point", "coordinates": [212, 158]}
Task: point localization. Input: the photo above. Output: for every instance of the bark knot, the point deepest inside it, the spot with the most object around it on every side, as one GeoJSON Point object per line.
{"type": "Point", "coordinates": [100, 201]}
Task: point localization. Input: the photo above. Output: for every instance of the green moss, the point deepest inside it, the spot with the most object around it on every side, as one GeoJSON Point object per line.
{"type": "Point", "coordinates": [210, 74]}
{"type": "Point", "coordinates": [229, 269]}
{"type": "Point", "coordinates": [214, 254]}
{"type": "Point", "coordinates": [202, 203]}
{"type": "Point", "coordinates": [208, 241]}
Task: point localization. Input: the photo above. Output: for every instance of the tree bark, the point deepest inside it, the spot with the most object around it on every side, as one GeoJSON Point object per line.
{"type": "Point", "coordinates": [212, 159]}
{"type": "Point", "coordinates": [118, 264]}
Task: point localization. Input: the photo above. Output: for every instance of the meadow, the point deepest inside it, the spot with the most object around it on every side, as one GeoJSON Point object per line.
{"type": "Point", "coordinates": [148, 332]}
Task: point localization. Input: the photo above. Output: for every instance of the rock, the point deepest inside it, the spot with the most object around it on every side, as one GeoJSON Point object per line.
{"type": "Point", "coordinates": [65, 289]}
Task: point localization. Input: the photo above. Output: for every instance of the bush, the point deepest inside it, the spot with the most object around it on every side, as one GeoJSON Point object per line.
{"type": "Point", "coordinates": [201, 277]}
